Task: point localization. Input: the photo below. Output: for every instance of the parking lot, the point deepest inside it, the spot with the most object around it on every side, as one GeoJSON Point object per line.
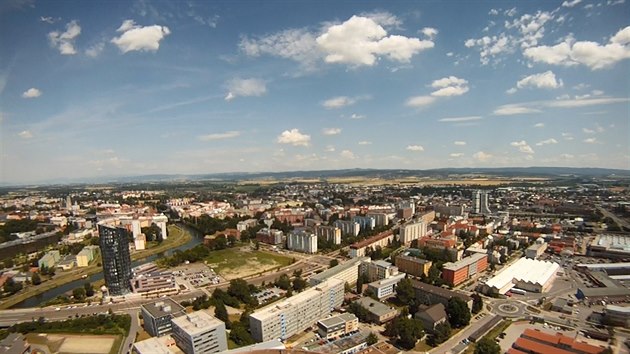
{"type": "Point", "coordinates": [196, 275]}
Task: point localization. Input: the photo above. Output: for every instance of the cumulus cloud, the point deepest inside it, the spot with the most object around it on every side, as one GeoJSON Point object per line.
{"type": "Point", "coordinates": [429, 32]}
{"type": "Point", "coordinates": [294, 137]}
{"type": "Point", "coordinates": [415, 148]}
{"type": "Point", "coordinates": [539, 125]}
{"type": "Point", "coordinates": [482, 156]}
{"type": "Point", "coordinates": [571, 3]}
{"type": "Point", "coordinates": [347, 154]}
{"type": "Point", "coordinates": [547, 142]}
{"type": "Point", "coordinates": [135, 37]}
{"type": "Point", "coordinates": [220, 136]}
{"type": "Point", "coordinates": [245, 87]}
{"type": "Point", "coordinates": [522, 146]}
{"type": "Point", "coordinates": [331, 131]}
{"type": "Point", "coordinates": [362, 41]}
{"type": "Point", "coordinates": [365, 142]}
{"type": "Point", "coordinates": [25, 134]}
{"type": "Point", "coordinates": [95, 50]}
{"type": "Point", "coordinates": [294, 44]}
{"type": "Point", "coordinates": [338, 102]}
{"type": "Point", "coordinates": [546, 80]}
{"type": "Point", "coordinates": [330, 148]}
{"type": "Point", "coordinates": [459, 143]}
{"type": "Point", "coordinates": [591, 54]}
{"type": "Point", "coordinates": [456, 154]}
{"type": "Point", "coordinates": [449, 86]}
{"type": "Point", "coordinates": [32, 93]}
{"type": "Point", "coordinates": [591, 141]}
{"type": "Point", "coordinates": [357, 116]}
{"type": "Point", "coordinates": [64, 41]}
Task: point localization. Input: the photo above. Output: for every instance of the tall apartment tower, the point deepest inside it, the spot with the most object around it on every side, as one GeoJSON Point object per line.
{"type": "Point", "coordinates": [114, 244]}
{"type": "Point", "coordinates": [480, 202]}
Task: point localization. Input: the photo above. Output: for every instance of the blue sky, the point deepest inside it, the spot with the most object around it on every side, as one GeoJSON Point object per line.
{"type": "Point", "coordinates": [131, 88]}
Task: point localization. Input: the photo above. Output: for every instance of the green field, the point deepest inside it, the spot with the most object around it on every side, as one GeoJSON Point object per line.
{"type": "Point", "coordinates": [235, 263]}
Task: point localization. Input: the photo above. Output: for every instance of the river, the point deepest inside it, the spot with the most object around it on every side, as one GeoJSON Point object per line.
{"type": "Point", "coordinates": [62, 289]}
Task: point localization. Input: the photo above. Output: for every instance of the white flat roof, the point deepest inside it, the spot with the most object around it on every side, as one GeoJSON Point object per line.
{"type": "Point", "coordinates": [525, 270]}
{"type": "Point", "coordinates": [196, 322]}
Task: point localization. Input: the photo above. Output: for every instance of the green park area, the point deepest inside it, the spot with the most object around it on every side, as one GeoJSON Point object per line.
{"type": "Point", "coordinates": [235, 263]}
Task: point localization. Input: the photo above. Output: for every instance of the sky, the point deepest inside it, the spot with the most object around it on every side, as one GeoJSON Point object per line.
{"type": "Point", "coordinates": [123, 88]}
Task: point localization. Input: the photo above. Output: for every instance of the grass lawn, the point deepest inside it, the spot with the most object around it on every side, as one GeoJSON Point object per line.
{"type": "Point", "coordinates": [422, 347]}
{"type": "Point", "coordinates": [116, 346]}
{"type": "Point", "coordinates": [235, 263]}
{"type": "Point", "coordinates": [492, 334]}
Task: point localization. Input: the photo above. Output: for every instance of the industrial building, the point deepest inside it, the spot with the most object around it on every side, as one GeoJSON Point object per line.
{"type": "Point", "coordinates": [535, 341]}
{"type": "Point", "coordinates": [157, 316]}
{"type": "Point", "coordinates": [348, 272]}
{"type": "Point", "coordinates": [617, 315]}
{"type": "Point", "coordinates": [609, 289]}
{"type": "Point", "coordinates": [290, 316]}
{"type": "Point", "coordinates": [613, 246]}
{"type": "Point", "coordinates": [337, 326]}
{"type": "Point", "coordinates": [526, 274]}
{"type": "Point", "coordinates": [413, 265]}
{"type": "Point", "coordinates": [536, 250]}
{"type": "Point", "coordinates": [199, 333]}
{"type": "Point", "coordinates": [464, 269]}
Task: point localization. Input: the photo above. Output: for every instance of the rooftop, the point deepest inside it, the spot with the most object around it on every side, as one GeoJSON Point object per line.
{"type": "Point", "coordinates": [375, 307]}
{"type": "Point", "coordinates": [435, 312]}
{"type": "Point", "coordinates": [438, 291]}
{"type": "Point", "coordinates": [163, 307]}
{"type": "Point", "coordinates": [525, 270]}
{"type": "Point", "coordinates": [337, 320]}
{"type": "Point", "coordinates": [331, 272]}
{"type": "Point", "coordinates": [371, 240]}
{"type": "Point", "coordinates": [196, 322]}
{"type": "Point", "coordinates": [465, 262]}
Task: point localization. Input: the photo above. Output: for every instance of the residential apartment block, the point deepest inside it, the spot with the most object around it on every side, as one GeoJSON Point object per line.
{"type": "Point", "coordinates": [199, 333]}
{"type": "Point", "coordinates": [290, 316]}
{"type": "Point", "coordinates": [348, 272]}
{"type": "Point", "coordinates": [464, 269]}
{"type": "Point", "coordinates": [348, 227]}
{"type": "Point", "coordinates": [412, 231]}
{"type": "Point", "coordinates": [413, 265]}
{"type": "Point", "coordinates": [302, 241]}
{"type": "Point", "coordinates": [383, 239]}
{"type": "Point", "coordinates": [337, 326]}
{"type": "Point", "coordinates": [329, 233]}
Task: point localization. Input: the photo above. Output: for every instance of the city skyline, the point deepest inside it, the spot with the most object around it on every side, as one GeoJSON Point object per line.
{"type": "Point", "coordinates": [144, 88]}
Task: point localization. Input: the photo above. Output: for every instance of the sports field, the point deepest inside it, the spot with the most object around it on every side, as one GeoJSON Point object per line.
{"type": "Point", "coordinates": [75, 343]}
{"type": "Point", "coordinates": [235, 263]}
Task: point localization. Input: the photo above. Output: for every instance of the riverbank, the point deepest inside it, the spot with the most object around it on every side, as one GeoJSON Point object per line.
{"type": "Point", "coordinates": [177, 236]}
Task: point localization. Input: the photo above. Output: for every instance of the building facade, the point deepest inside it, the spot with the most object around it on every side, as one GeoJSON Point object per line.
{"type": "Point", "coordinates": [480, 202]}
{"type": "Point", "coordinates": [386, 287]}
{"type": "Point", "coordinates": [413, 265]}
{"type": "Point", "coordinates": [302, 241]}
{"type": "Point", "coordinates": [337, 326]}
{"type": "Point", "coordinates": [199, 333]}
{"type": "Point", "coordinates": [116, 260]}
{"type": "Point", "coordinates": [412, 231]}
{"type": "Point", "coordinates": [348, 272]}
{"type": "Point", "coordinates": [290, 316]}
{"type": "Point", "coordinates": [464, 269]}
{"type": "Point", "coordinates": [329, 233]}
{"type": "Point", "coordinates": [348, 227]}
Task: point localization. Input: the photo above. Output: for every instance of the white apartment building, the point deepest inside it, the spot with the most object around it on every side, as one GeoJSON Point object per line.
{"type": "Point", "coordinates": [330, 233]}
{"type": "Point", "coordinates": [348, 272]}
{"type": "Point", "coordinates": [283, 319]}
{"type": "Point", "coordinates": [380, 219]}
{"type": "Point", "coordinates": [199, 333]}
{"type": "Point", "coordinates": [348, 227]}
{"type": "Point", "coordinates": [377, 270]}
{"type": "Point", "coordinates": [412, 231]}
{"type": "Point", "coordinates": [302, 241]}
{"type": "Point", "coordinates": [386, 287]}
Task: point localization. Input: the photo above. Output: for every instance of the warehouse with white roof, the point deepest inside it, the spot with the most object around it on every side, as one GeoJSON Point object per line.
{"type": "Point", "coordinates": [527, 274]}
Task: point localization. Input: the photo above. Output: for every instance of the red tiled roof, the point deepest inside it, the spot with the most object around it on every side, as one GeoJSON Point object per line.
{"type": "Point", "coordinates": [371, 240]}
{"type": "Point", "coordinates": [536, 347]}
{"type": "Point", "coordinates": [515, 351]}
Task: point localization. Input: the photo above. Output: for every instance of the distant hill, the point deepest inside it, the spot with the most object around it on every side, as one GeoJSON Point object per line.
{"type": "Point", "coordinates": [363, 173]}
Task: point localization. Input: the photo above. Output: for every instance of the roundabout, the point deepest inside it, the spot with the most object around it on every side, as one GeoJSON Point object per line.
{"type": "Point", "coordinates": [508, 308]}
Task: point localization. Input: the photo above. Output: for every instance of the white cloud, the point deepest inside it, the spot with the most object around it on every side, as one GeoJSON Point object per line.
{"type": "Point", "coordinates": [365, 142]}
{"type": "Point", "coordinates": [362, 41]}
{"type": "Point", "coordinates": [591, 141]}
{"type": "Point", "coordinates": [460, 119]}
{"type": "Point", "coordinates": [220, 136]}
{"type": "Point", "coordinates": [294, 44]}
{"type": "Point", "coordinates": [567, 136]}
{"type": "Point", "coordinates": [571, 3]}
{"type": "Point", "coordinates": [522, 146]}
{"type": "Point", "coordinates": [546, 80]}
{"type": "Point", "coordinates": [420, 101]}
{"type": "Point", "coordinates": [245, 87]}
{"type": "Point", "coordinates": [338, 102]}
{"type": "Point", "coordinates": [449, 86]}
{"type": "Point", "coordinates": [429, 32]}
{"type": "Point", "coordinates": [547, 142]}
{"type": "Point", "coordinates": [456, 154]}
{"type": "Point", "coordinates": [448, 81]}
{"type": "Point", "coordinates": [25, 134]}
{"type": "Point", "coordinates": [32, 93]}
{"type": "Point", "coordinates": [572, 103]}
{"type": "Point", "coordinates": [415, 148]}
{"type": "Point", "coordinates": [357, 116]}
{"type": "Point", "coordinates": [95, 50]}
{"type": "Point", "coordinates": [331, 131]}
{"type": "Point", "coordinates": [482, 156]}
{"type": "Point", "coordinates": [294, 137]}
{"type": "Point", "coordinates": [566, 156]}
{"type": "Point", "coordinates": [539, 125]}
{"type": "Point", "coordinates": [347, 154]}
{"type": "Point", "coordinates": [588, 131]}
{"type": "Point", "coordinates": [450, 91]}
{"type": "Point", "coordinates": [64, 41]}
{"type": "Point", "coordinates": [459, 143]}
{"type": "Point", "coordinates": [139, 38]}
{"type": "Point", "coordinates": [591, 54]}
{"type": "Point", "coordinates": [330, 148]}
{"type": "Point", "coordinates": [512, 109]}
{"type": "Point", "coordinates": [511, 90]}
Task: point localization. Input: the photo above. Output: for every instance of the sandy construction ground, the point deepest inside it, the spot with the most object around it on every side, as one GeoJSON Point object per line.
{"type": "Point", "coordinates": [77, 344]}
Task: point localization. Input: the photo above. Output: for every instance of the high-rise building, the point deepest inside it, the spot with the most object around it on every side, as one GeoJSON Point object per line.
{"type": "Point", "coordinates": [412, 231]}
{"type": "Point", "coordinates": [480, 202]}
{"type": "Point", "coordinates": [302, 241]}
{"type": "Point", "coordinates": [114, 244]}
{"type": "Point", "coordinates": [330, 233]}
{"type": "Point", "coordinates": [199, 333]}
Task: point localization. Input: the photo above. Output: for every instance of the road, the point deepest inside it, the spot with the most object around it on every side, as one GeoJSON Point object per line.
{"type": "Point", "coordinates": [619, 221]}
{"type": "Point", "coordinates": [448, 346]}
{"type": "Point", "coordinates": [133, 331]}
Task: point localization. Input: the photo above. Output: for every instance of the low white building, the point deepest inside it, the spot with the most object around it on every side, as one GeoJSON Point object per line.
{"type": "Point", "coordinates": [526, 274]}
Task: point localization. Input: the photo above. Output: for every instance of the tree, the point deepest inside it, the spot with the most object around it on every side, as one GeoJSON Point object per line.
{"type": "Point", "coordinates": [239, 334]}
{"type": "Point", "coordinates": [221, 313]}
{"type": "Point", "coordinates": [11, 287]}
{"type": "Point", "coordinates": [371, 339]}
{"type": "Point", "coordinates": [283, 282]}
{"type": "Point", "coordinates": [477, 303]}
{"type": "Point", "coordinates": [487, 346]}
{"type": "Point", "coordinates": [434, 274]}
{"type": "Point", "coordinates": [440, 334]}
{"type": "Point", "coordinates": [333, 263]}
{"type": "Point", "coordinates": [35, 279]}
{"type": "Point", "coordinates": [457, 312]}
{"type": "Point", "coordinates": [240, 289]}
{"type": "Point", "coordinates": [79, 294]}
{"type": "Point", "coordinates": [89, 289]}
{"type": "Point", "coordinates": [369, 292]}
{"type": "Point", "coordinates": [404, 292]}
{"type": "Point", "coordinates": [406, 330]}
{"type": "Point", "coordinates": [299, 284]}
